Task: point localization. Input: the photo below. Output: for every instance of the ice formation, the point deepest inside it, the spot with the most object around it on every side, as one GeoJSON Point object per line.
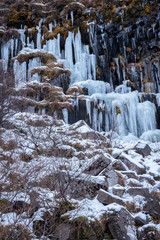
{"type": "Point", "coordinates": [121, 110]}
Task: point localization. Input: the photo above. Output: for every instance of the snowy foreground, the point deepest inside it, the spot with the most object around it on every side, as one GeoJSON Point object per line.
{"type": "Point", "coordinates": [46, 163]}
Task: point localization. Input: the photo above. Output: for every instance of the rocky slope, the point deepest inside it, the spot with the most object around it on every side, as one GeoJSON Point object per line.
{"type": "Point", "coordinates": [79, 120]}
{"type": "Point", "coordinates": [63, 181]}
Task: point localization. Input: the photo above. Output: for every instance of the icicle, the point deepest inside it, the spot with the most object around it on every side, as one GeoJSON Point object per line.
{"type": "Point", "coordinates": [153, 27]}
{"type": "Point", "coordinates": [100, 119]}
{"type": "Point", "coordinates": [12, 47]}
{"type": "Point", "coordinates": [39, 34]}
{"type": "Point", "coordinates": [43, 111]}
{"type": "Point", "coordinates": [50, 27]}
{"type": "Point", "coordinates": [133, 43]}
{"type": "Point", "coordinates": [53, 46]}
{"type": "Point", "coordinates": [68, 51]}
{"type": "Point", "coordinates": [93, 66]}
{"type": "Point", "coordinates": [35, 62]}
{"type": "Point", "coordinates": [116, 60]}
{"type": "Point", "coordinates": [65, 115]}
{"type": "Point", "coordinates": [19, 73]}
{"type": "Point", "coordinates": [71, 13]}
{"type": "Point", "coordinates": [158, 99]}
{"type": "Point", "coordinates": [95, 113]}
{"type": "Point", "coordinates": [146, 117]}
{"type": "Point", "coordinates": [22, 33]}
{"type": "Point", "coordinates": [5, 55]}
{"type": "Point", "coordinates": [88, 108]}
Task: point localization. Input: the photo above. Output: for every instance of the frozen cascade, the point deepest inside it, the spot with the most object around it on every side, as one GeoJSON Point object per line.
{"type": "Point", "coordinates": [77, 58]}
{"type": "Point", "coordinates": [124, 113]}
{"type": "Point", "coordinates": [121, 111]}
{"type": "Point", "coordinates": [8, 50]}
{"type": "Point", "coordinates": [5, 55]}
{"type": "Point", "coordinates": [22, 31]}
{"type": "Point", "coordinates": [33, 63]}
{"type": "Point", "coordinates": [19, 73]}
{"type": "Point", "coordinates": [85, 63]}
{"type": "Point", "coordinates": [146, 116]}
{"type": "Point", "coordinates": [53, 46]}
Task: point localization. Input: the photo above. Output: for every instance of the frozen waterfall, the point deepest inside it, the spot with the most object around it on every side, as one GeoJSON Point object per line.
{"type": "Point", "coordinates": [122, 110]}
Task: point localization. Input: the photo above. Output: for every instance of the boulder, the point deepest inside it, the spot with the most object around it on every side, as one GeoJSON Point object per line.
{"type": "Point", "coordinates": [108, 198]}
{"type": "Point", "coordinates": [120, 223]}
{"type": "Point", "coordinates": [119, 165]}
{"type": "Point", "coordinates": [118, 190]}
{"type": "Point", "coordinates": [111, 175]}
{"type": "Point", "coordinates": [153, 208]}
{"type": "Point", "coordinates": [116, 153]}
{"type": "Point", "coordinates": [100, 163]}
{"type": "Point", "coordinates": [92, 135]}
{"type": "Point", "coordinates": [133, 183]}
{"type": "Point", "coordinates": [147, 178]}
{"type": "Point", "coordinates": [142, 191]}
{"type": "Point", "coordinates": [132, 164]}
{"type": "Point", "coordinates": [130, 174]}
{"type": "Point", "coordinates": [63, 231]}
{"type": "Point", "coordinates": [143, 149]}
{"type": "Point", "coordinates": [140, 219]}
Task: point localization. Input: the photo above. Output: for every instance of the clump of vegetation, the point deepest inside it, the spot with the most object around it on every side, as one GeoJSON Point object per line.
{"type": "Point", "coordinates": [51, 220]}
{"type": "Point", "coordinates": [45, 57]}
{"type": "Point", "coordinates": [82, 229]}
{"type": "Point", "coordinates": [12, 232]}
{"type": "Point", "coordinates": [4, 205]}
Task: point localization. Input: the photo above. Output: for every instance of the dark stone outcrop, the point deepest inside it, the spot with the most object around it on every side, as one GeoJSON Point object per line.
{"type": "Point", "coordinates": [143, 148]}
{"type": "Point", "coordinates": [121, 223]}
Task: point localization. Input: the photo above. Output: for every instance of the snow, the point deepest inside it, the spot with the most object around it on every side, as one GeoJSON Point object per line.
{"type": "Point", "coordinates": [16, 196]}
{"type": "Point", "coordinates": [141, 215]}
{"type": "Point", "coordinates": [94, 86]}
{"type": "Point", "coordinates": [84, 129]}
{"type": "Point", "coordinates": [92, 209]}
{"type": "Point", "coordinates": [151, 135]}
